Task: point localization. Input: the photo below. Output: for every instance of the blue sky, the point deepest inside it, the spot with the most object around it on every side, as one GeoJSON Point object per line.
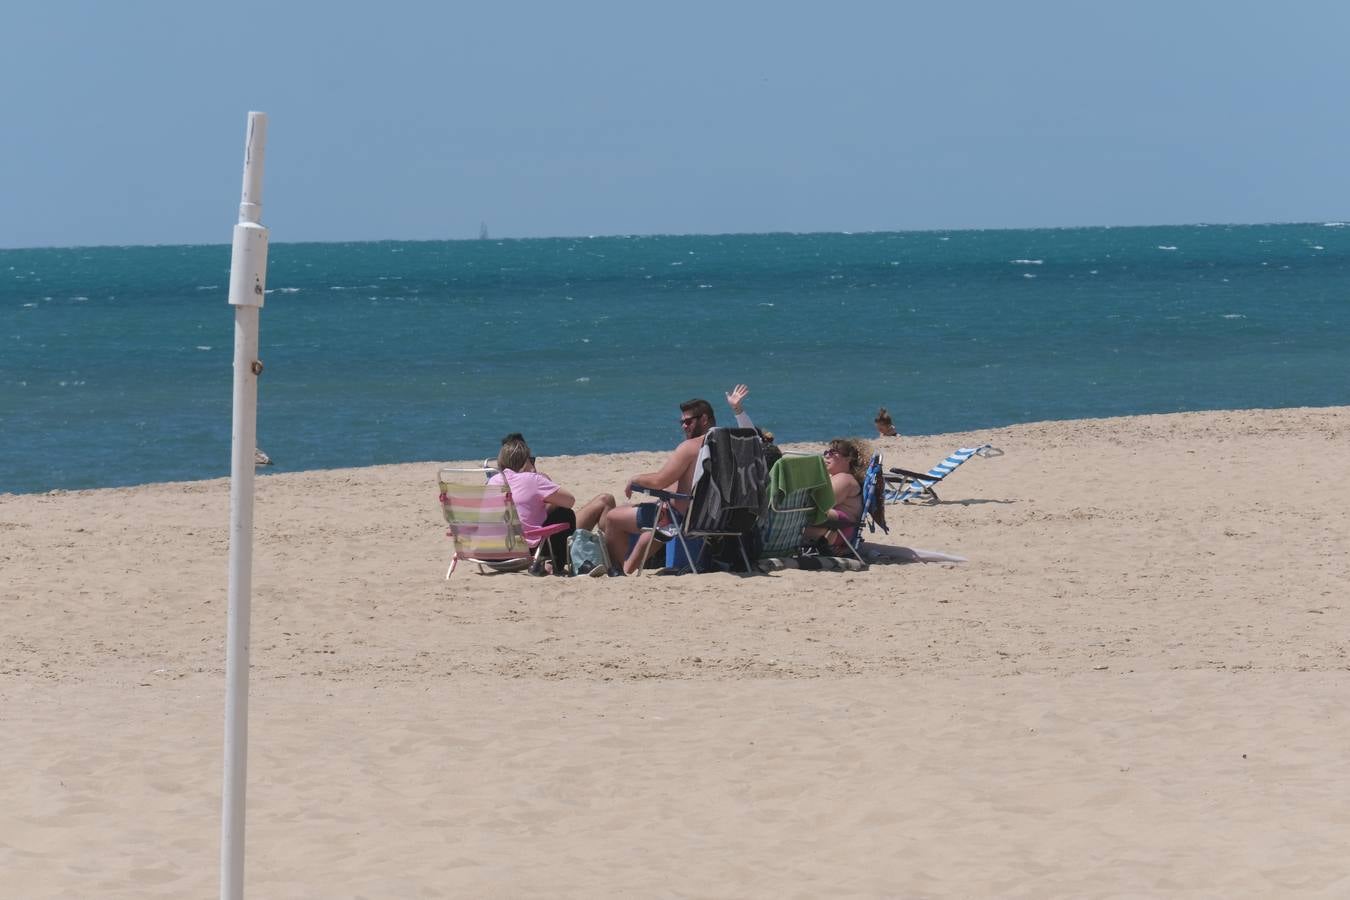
{"type": "Point", "coordinates": [124, 123]}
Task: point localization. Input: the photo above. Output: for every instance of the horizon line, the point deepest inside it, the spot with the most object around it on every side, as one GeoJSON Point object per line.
{"type": "Point", "coordinates": [1330, 223]}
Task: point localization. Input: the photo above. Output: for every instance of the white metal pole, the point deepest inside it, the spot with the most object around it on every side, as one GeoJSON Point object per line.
{"type": "Point", "coordinates": [248, 279]}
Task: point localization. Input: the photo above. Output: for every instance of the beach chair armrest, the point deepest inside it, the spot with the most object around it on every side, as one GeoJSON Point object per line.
{"type": "Point", "coordinates": [907, 474]}
{"type": "Point", "coordinates": [658, 493]}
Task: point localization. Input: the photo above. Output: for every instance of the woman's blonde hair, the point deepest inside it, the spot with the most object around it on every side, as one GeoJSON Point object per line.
{"type": "Point", "coordinates": [515, 453]}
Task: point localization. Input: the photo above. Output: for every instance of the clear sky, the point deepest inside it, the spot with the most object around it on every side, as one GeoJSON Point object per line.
{"type": "Point", "coordinates": [123, 123]}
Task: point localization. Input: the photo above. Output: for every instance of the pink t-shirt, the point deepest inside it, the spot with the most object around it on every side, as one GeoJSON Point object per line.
{"type": "Point", "coordinates": [529, 490]}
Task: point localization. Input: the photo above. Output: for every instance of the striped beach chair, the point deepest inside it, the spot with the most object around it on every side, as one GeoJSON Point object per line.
{"type": "Point", "coordinates": [486, 527]}
{"type": "Point", "coordinates": [810, 495]}
{"type": "Point", "coordinates": [903, 486]}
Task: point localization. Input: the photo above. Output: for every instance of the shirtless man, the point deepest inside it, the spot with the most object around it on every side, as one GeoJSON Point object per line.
{"type": "Point", "coordinates": [620, 523]}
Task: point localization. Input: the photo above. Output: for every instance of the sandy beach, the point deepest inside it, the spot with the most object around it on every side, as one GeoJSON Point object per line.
{"type": "Point", "coordinates": [1135, 687]}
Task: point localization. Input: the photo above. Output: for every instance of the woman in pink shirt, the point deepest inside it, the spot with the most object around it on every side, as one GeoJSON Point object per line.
{"type": "Point", "coordinates": [542, 502]}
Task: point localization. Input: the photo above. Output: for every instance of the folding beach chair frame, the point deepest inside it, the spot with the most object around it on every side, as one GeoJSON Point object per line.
{"type": "Point", "coordinates": [775, 510]}
{"type": "Point", "coordinates": [677, 529]}
{"type": "Point", "coordinates": [903, 485]}
{"type": "Point", "coordinates": [514, 529]}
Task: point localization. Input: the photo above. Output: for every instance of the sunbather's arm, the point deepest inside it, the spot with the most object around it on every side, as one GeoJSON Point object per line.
{"type": "Point", "coordinates": [561, 497]}
{"type": "Point", "coordinates": [735, 397]}
{"type": "Point", "coordinates": [668, 476]}
{"type": "Point", "coordinates": [846, 494]}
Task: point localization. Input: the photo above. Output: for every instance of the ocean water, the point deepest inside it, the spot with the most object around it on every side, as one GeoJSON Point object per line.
{"type": "Point", "coordinates": [115, 362]}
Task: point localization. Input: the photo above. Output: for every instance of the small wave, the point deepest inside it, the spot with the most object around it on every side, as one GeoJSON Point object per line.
{"type": "Point", "coordinates": [766, 303]}
{"type": "Point", "coordinates": [287, 291]}
{"type": "Point", "coordinates": [29, 305]}
{"type": "Point", "coordinates": [1028, 275]}
{"type": "Point", "coordinates": [208, 287]}
{"type": "Point", "coordinates": [1166, 247]}
{"type": "Point", "coordinates": [1027, 262]}
{"type": "Point", "coordinates": [1333, 224]}
{"type": "Point", "coordinates": [704, 287]}
{"type": "Point", "coordinates": [1234, 316]}
{"type": "Point", "coordinates": [678, 262]}
{"type": "Point", "coordinates": [1092, 271]}
{"type": "Point", "coordinates": [81, 298]}
{"type": "Point", "coordinates": [1318, 247]}
{"type": "Point", "coordinates": [203, 346]}
{"type": "Point", "coordinates": [583, 379]}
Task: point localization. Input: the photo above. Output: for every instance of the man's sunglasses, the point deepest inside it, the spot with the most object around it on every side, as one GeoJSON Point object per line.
{"type": "Point", "coordinates": [687, 421]}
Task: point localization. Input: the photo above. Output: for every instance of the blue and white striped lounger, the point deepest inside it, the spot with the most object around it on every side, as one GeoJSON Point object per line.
{"type": "Point", "coordinates": [903, 486]}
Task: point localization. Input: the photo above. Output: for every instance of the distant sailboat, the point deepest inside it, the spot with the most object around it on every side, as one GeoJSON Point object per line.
{"type": "Point", "coordinates": [482, 231]}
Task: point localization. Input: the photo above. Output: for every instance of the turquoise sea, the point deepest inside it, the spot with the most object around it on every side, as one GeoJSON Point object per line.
{"type": "Point", "coordinates": [115, 362]}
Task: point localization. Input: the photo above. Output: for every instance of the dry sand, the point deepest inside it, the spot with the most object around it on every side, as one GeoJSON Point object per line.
{"type": "Point", "coordinates": [1136, 687]}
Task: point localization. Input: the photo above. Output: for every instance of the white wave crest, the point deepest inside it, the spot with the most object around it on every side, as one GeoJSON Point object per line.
{"type": "Point", "coordinates": [1166, 247]}
{"type": "Point", "coordinates": [1027, 262]}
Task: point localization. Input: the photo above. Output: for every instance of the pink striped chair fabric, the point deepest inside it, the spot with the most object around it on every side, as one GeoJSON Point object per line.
{"type": "Point", "coordinates": [486, 527]}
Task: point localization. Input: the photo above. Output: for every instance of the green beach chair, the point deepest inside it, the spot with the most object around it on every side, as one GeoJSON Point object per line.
{"type": "Point", "coordinates": [799, 495]}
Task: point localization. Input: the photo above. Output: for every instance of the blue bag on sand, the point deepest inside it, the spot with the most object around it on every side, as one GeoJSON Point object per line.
{"type": "Point", "coordinates": [586, 551]}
